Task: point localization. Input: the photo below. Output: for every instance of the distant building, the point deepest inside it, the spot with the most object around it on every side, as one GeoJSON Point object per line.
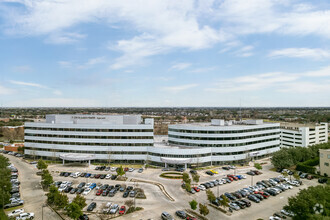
{"type": "Point", "coordinates": [324, 162]}
{"type": "Point", "coordinates": [303, 135]}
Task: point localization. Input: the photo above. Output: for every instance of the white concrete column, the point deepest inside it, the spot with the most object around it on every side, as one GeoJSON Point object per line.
{"type": "Point", "coordinates": [63, 162]}
{"type": "Point", "coordinates": [165, 165]}
{"type": "Point", "coordinates": [89, 162]}
{"type": "Point", "coordinates": [185, 165]}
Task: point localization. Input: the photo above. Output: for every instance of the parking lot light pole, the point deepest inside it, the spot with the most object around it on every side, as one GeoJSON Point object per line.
{"type": "Point", "coordinates": [251, 180]}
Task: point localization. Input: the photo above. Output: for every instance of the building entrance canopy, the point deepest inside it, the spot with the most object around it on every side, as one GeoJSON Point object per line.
{"type": "Point", "coordinates": [175, 160]}
{"type": "Point", "coordinates": [77, 157]}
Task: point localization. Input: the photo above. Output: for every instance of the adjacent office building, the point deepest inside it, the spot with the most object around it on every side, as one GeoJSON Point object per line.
{"type": "Point", "coordinates": [303, 135]}
{"type": "Point", "coordinates": [129, 139]}
{"type": "Point", "coordinates": [324, 162]}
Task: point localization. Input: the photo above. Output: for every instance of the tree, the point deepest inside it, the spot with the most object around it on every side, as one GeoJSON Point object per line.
{"type": "Point", "coordinates": [258, 166]}
{"type": "Point", "coordinates": [186, 178]}
{"type": "Point", "coordinates": [41, 165]}
{"type": "Point", "coordinates": [73, 210]}
{"type": "Point", "coordinates": [80, 200]}
{"type": "Point", "coordinates": [282, 159]}
{"type": "Point", "coordinates": [296, 176]}
{"type": "Point", "coordinates": [47, 178]}
{"type": "Point", "coordinates": [203, 210]}
{"type": "Point", "coordinates": [20, 149]}
{"type": "Point", "coordinates": [5, 185]}
{"type": "Point", "coordinates": [224, 201]}
{"type": "Point", "coordinates": [120, 171]}
{"type": "Point", "coordinates": [188, 187]}
{"type": "Point", "coordinates": [306, 204]}
{"type": "Point", "coordinates": [196, 178]}
{"type": "Point", "coordinates": [52, 194]}
{"type": "Point", "coordinates": [210, 195]}
{"type": "Point", "coordinates": [193, 204]}
{"type": "Point", "coordinates": [61, 200]}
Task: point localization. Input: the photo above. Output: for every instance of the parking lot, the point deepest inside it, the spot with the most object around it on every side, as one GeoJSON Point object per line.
{"type": "Point", "coordinates": [156, 202]}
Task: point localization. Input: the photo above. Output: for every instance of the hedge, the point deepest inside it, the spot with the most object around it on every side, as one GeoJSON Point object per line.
{"type": "Point", "coordinates": [165, 175]}
{"type": "Point", "coordinates": [305, 168]}
{"type": "Point", "coordinates": [312, 162]}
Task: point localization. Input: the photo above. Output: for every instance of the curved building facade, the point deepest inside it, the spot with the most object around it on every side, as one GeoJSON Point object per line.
{"type": "Point", "coordinates": [129, 139]}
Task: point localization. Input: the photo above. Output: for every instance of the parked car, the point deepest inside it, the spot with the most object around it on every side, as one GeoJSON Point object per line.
{"type": "Point", "coordinates": [253, 198]}
{"type": "Point", "coordinates": [234, 206]}
{"type": "Point", "coordinates": [84, 217]}
{"type": "Point", "coordinates": [166, 216]}
{"type": "Point", "coordinates": [114, 209]}
{"type": "Point", "coordinates": [81, 190]}
{"type": "Point", "coordinates": [26, 215]}
{"type": "Point", "coordinates": [87, 191]}
{"type": "Point", "coordinates": [122, 210]}
{"type": "Point", "coordinates": [91, 207]}
{"type": "Point", "coordinates": [16, 212]}
{"type": "Point", "coordinates": [140, 170]}
{"type": "Point", "coordinates": [108, 176]}
{"type": "Point", "coordinates": [193, 171]}
{"type": "Point", "coordinates": [99, 192]}
{"type": "Point", "coordinates": [181, 214]}
{"type": "Point", "coordinates": [209, 173]}
{"type": "Point", "coordinates": [226, 168]}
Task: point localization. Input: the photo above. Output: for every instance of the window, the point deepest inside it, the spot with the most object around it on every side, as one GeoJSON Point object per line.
{"type": "Point", "coordinates": [321, 155]}
{"type": "Point", "coordinates": [326, 164]}
{"type": "Point", "coordinates": [328, 156]}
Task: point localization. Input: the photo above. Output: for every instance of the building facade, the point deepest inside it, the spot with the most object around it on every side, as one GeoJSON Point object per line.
{"type": "Point", "coordinates": [300, 135]}
{"type": "Point", "coordinates": [128, 139]}
{"type": "Point", "coordinates": [324, 162]}
{"type": "Point", "coordinates": [109, 137]}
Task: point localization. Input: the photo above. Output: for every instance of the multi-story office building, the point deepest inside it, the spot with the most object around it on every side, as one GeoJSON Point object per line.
{"type": "Point", "coordinates": [325, 162]}
{"type": "Point", "coordinates": [127, 139]}
{"type": "Point", "coordinates": [303, 135]}
{"type": "Point", "coordinates": [106, 137]}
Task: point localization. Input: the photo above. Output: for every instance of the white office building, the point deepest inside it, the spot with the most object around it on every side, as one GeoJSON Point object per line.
{"type": "Point", "coordinates": [128, 139]}
{"type": "Point", "coordinates": [106, 137]}
{"type": "Point", "coordinates": [303, 135]}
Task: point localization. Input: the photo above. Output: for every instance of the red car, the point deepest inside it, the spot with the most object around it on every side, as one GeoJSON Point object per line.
{"type": "Point", "coordinates": [232, 176]}
{"type": "Point", "coordinates": [122, 210]}
{"type": "Point", "coordinates": [196, 189]}
{"type": "Point", "coordinates": [99, 192]}
{"type": "Point", "coordinates": [191, 218]}
{"type": "Point", "coordinates": [97, 176]}
{"type": "Point", "coordinates": [126, 169]}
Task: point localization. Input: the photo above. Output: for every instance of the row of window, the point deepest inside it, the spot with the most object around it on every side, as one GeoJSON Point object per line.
{"type": "Point", "coordinates": [221, 131]}
{"type": "Point", "coordinates": [91, 144]}
{"type": "Point", "coordinates": [180, 155]}
{"type": "Point", "coordinates": [86, 152]}
{"type": "Point", "coordinates": [221, 138]}
{"type": "Point", "coordinates": [291, 133]}
{"type": "Point", "coordinates": [243, 152]}
{"type": "Point", "coordinates": [291, 138]}
{"type": "Point", "coordinates": [89, 137]}
{"type": "Point", "coordinates": [89, 129]}
{"type": "Point", "coordinates": [222, 145]}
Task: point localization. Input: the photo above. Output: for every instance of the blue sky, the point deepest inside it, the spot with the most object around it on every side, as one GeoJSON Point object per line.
{"type": "Point", "coordinates": [164, 53]}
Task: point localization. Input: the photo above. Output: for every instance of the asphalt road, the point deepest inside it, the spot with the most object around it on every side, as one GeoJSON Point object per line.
{"type": "Point", "coordinates": [31, 191]}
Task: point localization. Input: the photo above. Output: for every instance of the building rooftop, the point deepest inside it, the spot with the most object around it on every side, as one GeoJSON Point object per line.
{"type": "Point", "coordinates": [290, 125]}
{"type": "Point", "coordinates": [222, 123]}
{"type": "Point", "coordinates": [94, 119]}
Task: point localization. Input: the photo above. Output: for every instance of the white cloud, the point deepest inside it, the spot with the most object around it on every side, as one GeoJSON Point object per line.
{"type": "Point", "coordinates": [203, 69]}
{"type": "Point", "coordinates": [245, 51]}
{"type": "Point", "coordinates": [92, 62]}
{"type": "Point", "coordinates": [180, 66]}
{"type": "Point", "coordinates": [28, 84]}
{"type": "Point", "coordinates": [180, 88]}
{"type": "Point", "coordinates": [278, 81]}
{"type": "Point", "coordinates": [65, 64]}
{"type": "Point", "coordinates": [310, 53]}
{"type": "Point", "coordinates": [64, 38]}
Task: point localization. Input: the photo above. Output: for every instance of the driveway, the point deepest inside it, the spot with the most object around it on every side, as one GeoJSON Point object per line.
{"type": "Point", "coordinates": [31, 191]}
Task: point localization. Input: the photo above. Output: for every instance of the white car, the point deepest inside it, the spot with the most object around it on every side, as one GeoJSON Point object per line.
{"type": "Point", "coordinates": [25, 216]}
{"type": "Point", "coordinates": [113, 168]}
{"type": "Point", "coordinates": [87, 191]}
{"type": "Point", "coordinates": [243, 176]}
{"type": "Point", "coordinates": [62, 188]}
{"type": "Point", "coordinates": [130, 169]}
{"type": "Point", "coordinates": [274, 218]}
{"type": "Point", "coordinates": [16, 212]}
{"type": "Point", "coordinates": [87, 185]}
{"type": "Point", "coordinates": [108, 176]}
{"type": "Point", "coordinates": [287, 213]}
